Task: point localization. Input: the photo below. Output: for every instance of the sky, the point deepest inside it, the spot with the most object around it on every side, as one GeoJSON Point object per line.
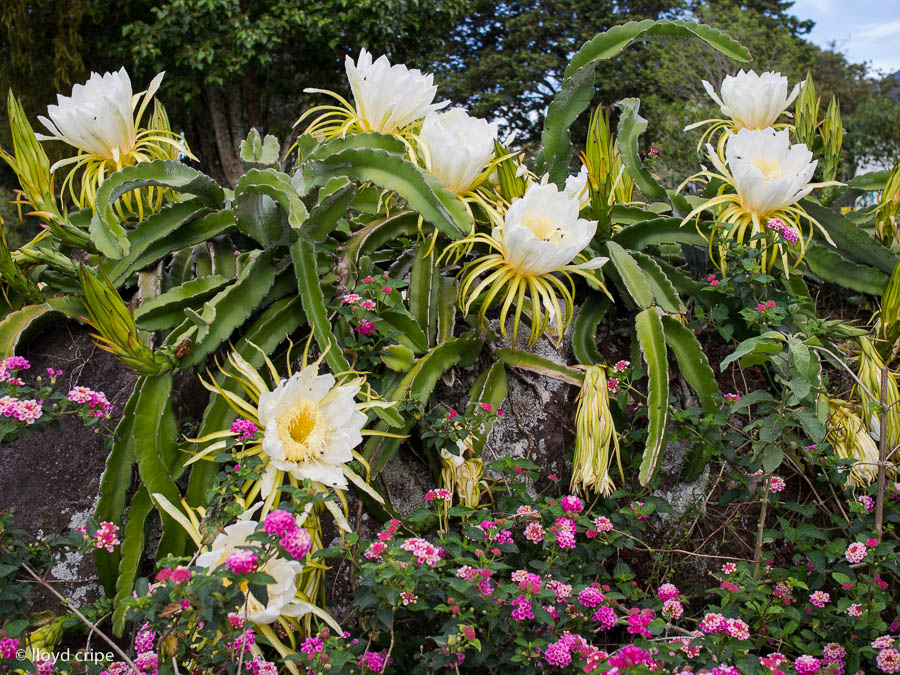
{"type": "Point", "coordinates": [865, 30]}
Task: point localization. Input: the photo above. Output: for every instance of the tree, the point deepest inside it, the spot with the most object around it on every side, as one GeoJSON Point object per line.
{"type": "Point", "coordinates": [232, 65]}
{"type": "Point", "coordinates": [505, 58]}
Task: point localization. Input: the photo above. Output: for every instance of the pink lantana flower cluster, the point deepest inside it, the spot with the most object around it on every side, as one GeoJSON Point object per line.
{"type": "Point", "coordinates": [294, 539]}
{"type": "Point", "coordinates": [96, 401]}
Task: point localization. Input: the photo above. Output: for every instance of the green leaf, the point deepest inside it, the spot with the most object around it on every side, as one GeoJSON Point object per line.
{"type": "Point", "coordinates": [167, 309]}
{"type": "Point", "coordinates": [570, 101]}
{"type": "Point", "coordinates": [664, 292]}
{"type": "Point", "coordinates": [131, 550]}
{"type": "Point", "coordinates": [155, 448]}
{"type": "Point", "coordinates": [409, 332]}
{"type": "Point", "coordinates": [108, 235]}
{"type": "Point", "coordinates": [379, 233]}
{"type": "Point", "coordinates": [303, 254]}
{"type": "Point", "coordinates": [448, 291]}
{"type": "Point", "coordinates": [399, 358]}
{"type": "Point", "coordinates": [631, 126]}
{"type": "Point", "coordinates": [630, 272]}
{"type": "Point", "coordinates": [609, 43]}
{"type": "Point", "coordinates": [692, 363]}
{"type": "Point", "coordinates": [152, 229]}
{"type": "Point", "coordinates": [826, 263]}
{"type": "Point", "coordinates": [418, 384]}
{"type": "Point", "coordinates": [489, 387]}
{"type": "Point", "coordinates": [423, 192]}
{"type": "Point", "coordinates": [18, 325]}
{"type": "Point", "coordinates": [324, 217]}
{"type": "Point", "coordinates": [358, 141]}
{"type": "Point", "coordinates": [192, 232]}
{"type": "Point", "coordinates": [872, 181]}
{"type": "Point", "coordinates": [115, 483]}
{"type": "Point", "coordinates": [538, 364]}
{"type": "Point", "coordinates": [656, 231]}
{"type": "Point", "coordinates": [650, 337]}
{"type": "Point", "coordinates": [852, 242]}
{"type": "Point", "coordinates": [266, 202]}
{"type": "Point", "coordinates": [755, 350]}
{"type": "Point", "coordinates": [424, 287]}
{"type": "Point", "coordinates": [272, 327]}
{"type": "Point", "coordinates": [231, 307]}
{"type": "Point", "coordinates": [584, 328]}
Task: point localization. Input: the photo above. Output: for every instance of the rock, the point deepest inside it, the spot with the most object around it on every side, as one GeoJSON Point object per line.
{"type": "Point", "coordinates": [50, 479]}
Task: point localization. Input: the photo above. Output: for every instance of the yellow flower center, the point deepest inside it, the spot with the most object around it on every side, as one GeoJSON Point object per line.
{"type": "Point", "coordinates": [303, 431]}
{"type": "Point", "coordinates": [770, 169]}
{"type": "Point", "coordinates": [544, 229]}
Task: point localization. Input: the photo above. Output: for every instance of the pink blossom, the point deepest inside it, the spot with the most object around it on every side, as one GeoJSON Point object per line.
{"type": "Point", "coordinates": [605, 616]}
{"type": "Point", "coordinates": [557, 654]}
{"type": "Point", "coordinates": [856, 552]}
{"type": "Point", "coordinates": [8, 647]}
{"type": "Point", "coordinates": [672, 609]}
{"type": "Point", "coordinates": [386, 290]}
{"type": "Point", "coordinates": [806, 665]}
{"type": "Point", "coordinates": [244, 429]}
{"type": "Point", "coordinates": [737, 629]}
{"type": "Point", "coordinates": [350, 299]}
{"type": "Point", "coordinates": [241, 561]}
{"type": "Point", "coordinates": [883, 642]}
{"type": "Point", "coordinates": [776, 484]}
{"type": "Point", "coordinates": [571, 504]}
{"type": "Point", "coordinates": [667, 592]}
{"type": "Point", "coordinates": [613, 385]}
{"type": "Point", "coordinates": [365, 327]}
{"type": "Point", "coordinates": [713, 623]}
{"type": "Point", "coordinates": [368, 305]}
{"type": "Point", "coordinates": [296, 542]}
{"type": "Point", "coordinates": [729, 568]}
{"type": "Point", "coordinates": [820, 598]}
{"type": "Point", "coordinates": [278, 522]}
{"type": "Point", "coordinates": [888, 661]}
{"type": "Point", "coordinates": [106, 536]}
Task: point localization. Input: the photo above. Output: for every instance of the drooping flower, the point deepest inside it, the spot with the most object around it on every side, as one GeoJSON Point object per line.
{"type": "Point", "coordinates": [386, 99]}
{"type": "Point", "coordinates": [540, 237]}
{"type": "Point", "coordinates": [762, 177]}
{"type": "Point", "coordinates": [283, 599]}
{"type": "Point", "coordinates": [102, 119]}
{"type": "Point", "coordinates": [458, 147]}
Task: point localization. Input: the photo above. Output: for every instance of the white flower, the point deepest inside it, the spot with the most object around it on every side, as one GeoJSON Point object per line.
{"type": "Point", "coordinates": [281, 593]}
{"type": "Point", "coordinates": [311, 426]}
{"type": "Point", "coordinates": [99, 118]}
{"type": "Point", "coordinates": [459, 147]}
{"type": "Point", "coordinates": [577, 187]}
{"type": "Point", "coordinates": [389, 97]}
{"type": "Point", "coordinates": [543, 233]}
{"type": "Point", "coordinates": [754, 101]}
{"type": "Point", "coordinates": [769, 173]}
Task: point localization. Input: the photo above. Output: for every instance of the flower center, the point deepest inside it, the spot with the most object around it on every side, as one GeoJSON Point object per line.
{"type": "Point", "coordinates": [303, 431]}
{"type": "Point", "coordinates": [544, 229]}
{"type": "Point", "coordinates": [770, 169]}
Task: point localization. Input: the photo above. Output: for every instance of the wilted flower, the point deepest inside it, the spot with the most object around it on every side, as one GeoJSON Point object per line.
{"type": "Point", "coordinates": [282, 593]}
{"type": "Point", "coordinates": [595, 432]}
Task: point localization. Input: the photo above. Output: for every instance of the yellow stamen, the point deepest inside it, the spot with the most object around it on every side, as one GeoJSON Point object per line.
{"type": "Point", "coordinates": [544, 229]}
{"type": "Point", "coordinates": [770, 169]}
{"type": "Point", "coordinates": [303, 431]}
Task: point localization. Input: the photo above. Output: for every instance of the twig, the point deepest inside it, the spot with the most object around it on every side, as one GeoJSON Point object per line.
{"type": "Point", "coordinates": [678, 550]}
{"type": "Point", "coordinates": [84, 619]}
{"type": "Point", "coordinates": [757, 554]}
